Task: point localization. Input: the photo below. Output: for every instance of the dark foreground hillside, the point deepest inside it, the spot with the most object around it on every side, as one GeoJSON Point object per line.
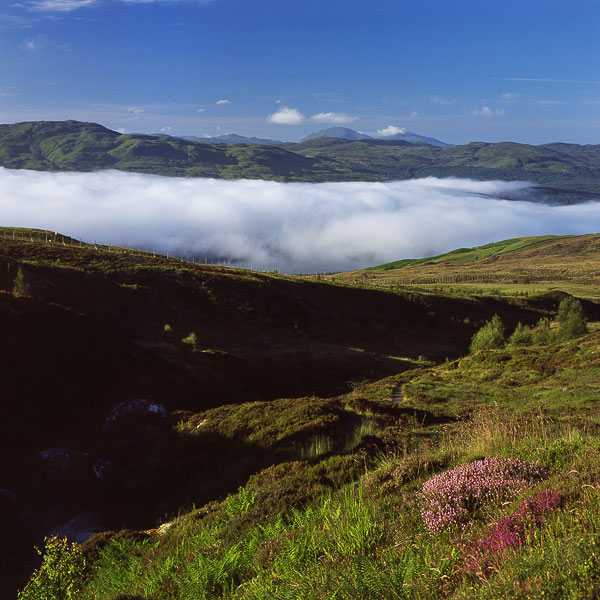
{"type": "Point", "coordinates": [112, 358]}
{"type": "Point", "coordinates": [476, 478]}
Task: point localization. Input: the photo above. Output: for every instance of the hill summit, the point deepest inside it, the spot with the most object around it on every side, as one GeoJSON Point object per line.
{"type": "Point", "coordinates": [344, 133]}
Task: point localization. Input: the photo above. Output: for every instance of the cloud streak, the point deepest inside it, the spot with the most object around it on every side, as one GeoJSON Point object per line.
{"type": "Point", "coordinates": [308, 227]}
{"type": "Point", "coordinates": [291, 116]}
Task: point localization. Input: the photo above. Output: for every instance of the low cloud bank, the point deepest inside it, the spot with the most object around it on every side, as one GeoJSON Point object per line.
{"type": "Point", "coordinates": [292, 226]}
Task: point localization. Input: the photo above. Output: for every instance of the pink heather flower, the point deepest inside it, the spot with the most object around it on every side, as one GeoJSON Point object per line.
{"type": "Point", "coordinates": [511, 532]}
{"type": "Point", "coordinates": [451, 498]}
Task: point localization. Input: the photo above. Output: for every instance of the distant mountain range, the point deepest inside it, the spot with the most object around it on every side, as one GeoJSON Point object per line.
{"type": "Point", "coordinates": [349, 134]}
{"type": "Point", "coordinates": [565, 173]}
{"type": "Point", "coordinates": [232, 138]}
{"type": "Point", "coordinates": [342, 133]}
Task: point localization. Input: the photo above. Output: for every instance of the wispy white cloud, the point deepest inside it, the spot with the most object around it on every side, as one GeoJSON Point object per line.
{"type": "Point", "coordinates": [329, 226]}
{"type": "Point", "coordinates": [166, 129]}
{"type": "Point", "coordinates": [390, 130]}
{"type": "Point", "coordinates": [224, 101]}
{"type": "Point", "coordinates": [69, 5]}
{"type": "Point", "coordinates": [60, 5]}
{"type": "Point", "coordinates": [201, 109]}
{"type": "Point", "coordinates": [41, 42]}
{"type": "Point", "coordinates": [7, 92]}
{"type": "Point", "coordinates": [331, 117]}
{"type": "Point", "coordinates": [487, 113]}
{"type": "Point", "coordinates": [135, 110]}
{"type": "Point", "coordinates": [549, 80]}
{"type": "Point", "coordinates": [287, 116]}
{"type": "Point", "coordinates": [14, 22]}
{"type": "Point", "coordinates": [508, 96]}
{"type": "Point", "coordinates": [435, 99]}
{"type": "Point", "coordinates": [550, 102]}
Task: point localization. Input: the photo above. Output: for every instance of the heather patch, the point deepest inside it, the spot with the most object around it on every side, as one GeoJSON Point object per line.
{"type": "Point", "coordinates": [452, 498]}
{"type": "Point", "coordinates": [511, 532]}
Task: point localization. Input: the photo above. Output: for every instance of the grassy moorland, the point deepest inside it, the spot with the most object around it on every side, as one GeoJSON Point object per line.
{"type": "Point", "coordinates": [302, 420]}
{"type": "Point", "coordinates": [484, 490]}
{"type": "Point", "coordinates": [564, 173]}
{"type": "Point", "coordinates": [518, 266]}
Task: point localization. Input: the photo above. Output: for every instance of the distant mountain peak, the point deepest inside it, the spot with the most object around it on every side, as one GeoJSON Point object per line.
{"type": "Point", "coordinates": [338, 132]}
{"type": "Point", "coordinates": [389, 133]}
{"type": "Point", "coordinates": [233, 138]}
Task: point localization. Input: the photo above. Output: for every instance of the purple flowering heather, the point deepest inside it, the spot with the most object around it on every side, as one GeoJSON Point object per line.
{"type": "Point", "coordinates": [510, 532]}
{"type": "Point", "coordinates": [452, 497]}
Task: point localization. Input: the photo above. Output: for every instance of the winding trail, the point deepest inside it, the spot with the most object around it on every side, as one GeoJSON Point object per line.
{"type": "Point", "coordinates": [397, 394]}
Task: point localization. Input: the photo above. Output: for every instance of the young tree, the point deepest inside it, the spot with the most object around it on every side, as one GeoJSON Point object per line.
{"type": "Point", "coordinates": [522, 335]}
{"type": "Point", "coordinates": [572, 321]}
{"type": "Point", "coordinates": [490, 336]}
{"type": "Point", "coordinates": [20, 286]}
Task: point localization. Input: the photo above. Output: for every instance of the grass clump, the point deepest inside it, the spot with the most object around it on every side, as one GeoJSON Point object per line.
{"type": "Point", "coordinates": [489, 337]}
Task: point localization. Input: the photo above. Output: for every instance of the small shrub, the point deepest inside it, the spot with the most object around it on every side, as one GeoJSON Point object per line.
{"type": "Point", "coordinates": [453, 497]}
{"type": "Point", "coordinates": [61, 574]}
{"type": "Point", "coordinates": [167, 328]}
{"type": "Point", "coordinates": [542, 334]}
{"type": "Point", "coordinates": [571, 319]}
{"type": "Point", "coordinates": [510, 533]}
{"type": "Point", "coordinates": [20, 285]}
{"type": "Point", "coordinates": [522, 336]}
{"type": "Point", "coordinates": [191, 340]}
{"type": "Point", "coordinates": [490, 336]}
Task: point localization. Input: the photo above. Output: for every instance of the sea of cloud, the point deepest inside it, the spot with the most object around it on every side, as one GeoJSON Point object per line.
{"type": "Point", "coordinates": [299, 227]}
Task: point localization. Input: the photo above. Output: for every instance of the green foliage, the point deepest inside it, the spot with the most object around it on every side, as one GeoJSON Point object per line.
{"type": "Point", "coordinates": [61, 575]}
{"type": "Point", "coordinates": [521, 336]}
{"type": "Point", "coordinates": [20, 286]}
{"type": "Point", "coordinates": [191, 340]}
{"type": "Point", "coordinates": [572, 322]}
{"type": "Point", "coordinates": [489, 337]}
{"type": "Point", "coordinates": [240, 503]}
{"type": "Point", "coordinates": [167, 328]}
{"type": "Point", "coordinates": [542, 333]}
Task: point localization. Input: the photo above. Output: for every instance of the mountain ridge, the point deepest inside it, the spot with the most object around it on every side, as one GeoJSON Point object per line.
{"type": "Point", "coordinates": [350, 134]}
{"type": "Point", "coordinates": [564, 173]}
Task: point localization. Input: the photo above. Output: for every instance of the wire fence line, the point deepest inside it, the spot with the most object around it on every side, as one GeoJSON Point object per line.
{"type": "Point", "coordinates": [48, 237]}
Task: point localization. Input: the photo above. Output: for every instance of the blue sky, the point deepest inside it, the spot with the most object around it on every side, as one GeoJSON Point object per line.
{"type": "Point", "coordinates": [459, 70]}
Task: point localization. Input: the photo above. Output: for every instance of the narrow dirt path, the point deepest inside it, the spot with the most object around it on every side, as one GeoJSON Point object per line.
{"type": "Point", "coordinates": [397, 394]}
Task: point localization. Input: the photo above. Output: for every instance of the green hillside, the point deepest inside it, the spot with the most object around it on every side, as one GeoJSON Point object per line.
{"type": "Point", "coordinates": [281, 383]}
{"type": "Point", "coordinates": [566, 173]}
{"type": "Point", "coordinates": [423, 476]}
{"type": "Point", "coordinates": [463, 256]}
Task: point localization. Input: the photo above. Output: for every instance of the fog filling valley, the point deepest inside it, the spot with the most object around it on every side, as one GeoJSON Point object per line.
{"type": "Point", "coordinates": [302, 227]}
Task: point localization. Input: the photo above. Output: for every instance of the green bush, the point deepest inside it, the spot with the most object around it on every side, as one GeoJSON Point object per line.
{"type": "Point", "coordinates": [522, 336]}
{"type": "Point", "coordinates": [490, 336]}
{"type": "Point", "coordinates": [192, 341]}
{"type": "Point", "coordinates": [20, 286]}
{"type": "Point", "coordinates": [571, 319]}
{"type": "Point", "coordinates": [542, 334]}
{"type": "Point", "coordinates": [61, 574]}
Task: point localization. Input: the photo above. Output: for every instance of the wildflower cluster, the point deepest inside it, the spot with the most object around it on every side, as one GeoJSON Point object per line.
{"type": "Point", "coordinates": [510, 532]}
{"type": "Point", "coordinates": [452, 497]}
